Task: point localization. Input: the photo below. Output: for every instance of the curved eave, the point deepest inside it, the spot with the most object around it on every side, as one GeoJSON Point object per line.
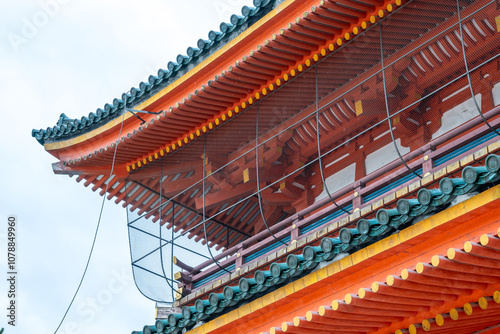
{"type": "Point", "coordinates": [67, 128]}
{"type": "Point", "coordinates": [270, 52]}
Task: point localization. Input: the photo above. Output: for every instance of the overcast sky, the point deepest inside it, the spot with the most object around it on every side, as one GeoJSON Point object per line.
{"type": "Point", "coordinates": [74, 56]}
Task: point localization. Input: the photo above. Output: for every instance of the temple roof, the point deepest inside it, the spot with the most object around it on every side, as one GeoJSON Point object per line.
{"type": "Point", "coordinates": [272, 56]}
{"type": "Point", "coordinates": [279, 76]}
{"type": "Point", "coordinates": [345, 63]}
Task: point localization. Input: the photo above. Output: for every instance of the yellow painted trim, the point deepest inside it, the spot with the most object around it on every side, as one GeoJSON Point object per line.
{"type": "Point", "coordinates": [483, 303]}
{"type": "Point", "coordinates": [453, 314]}
{"type": "Point", "coordinates": [355, 258]}
{"type": "Point", "coordinates": [439, 320]}
{"type": "Point", "coordinates": [496, 297]}
{"type": "Point", "coordinates": [358, 105]}
{"type": "Point", "coordinates": [246, 175]}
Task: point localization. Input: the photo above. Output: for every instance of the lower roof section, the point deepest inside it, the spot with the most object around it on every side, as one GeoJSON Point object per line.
{"type": "Point", "coordinates": [437, 274]}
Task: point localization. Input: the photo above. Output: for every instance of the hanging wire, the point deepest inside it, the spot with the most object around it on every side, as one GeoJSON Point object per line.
{"type": "Point", "coordinates": [204, 213]}
{"type": "Point", "coordinates": [387, 105]}
{"type": "Point", "coordinates": [172, 250]}
{"type": "Point", "coordinates": [97, 226]}
{"type": "Point", "coordinates": [468, 73]}
{"type": "Point", "coordinates": [258, 179]}
{"type": "Point", "coordinates": [160, 228]}
{"type": "Point", "coordinates": [320, 161]}
{"type": "Point", "coordinates": [167, 242]}
{"type": "Point", "coordinates": [170, 200]}
{"type": "Point", "coordinates": [156, 274]}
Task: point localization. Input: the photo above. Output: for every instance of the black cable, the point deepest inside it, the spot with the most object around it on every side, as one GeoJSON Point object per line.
{"type": "Point", "coordinates": [167, 242]}
{"type": "Point", "coordinates": [258, 180]}
{"type": "Point", "coordinates": [352, 138]}
{"type": "Point", "coordinates": [172, 250]}
{"type": "Point", "coordinates": [187, 208]}
{"type": "Point", "coordinates": [204, 213]}
{"type": "Point", "coordinates": [387, 105]}
{"type": "Point", "coordinates": [97, 227]}
{"type": "Point", "coordinates": [156, 274]}
{"type": "Point", "coordinates": [160, 228]}
{"type": "Point", "coordinates": [468, 73]}
{"type": "Point", "coordinates": [320, 162]}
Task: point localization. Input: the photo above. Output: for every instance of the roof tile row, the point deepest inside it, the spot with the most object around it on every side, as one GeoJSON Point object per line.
{"type": "Point", "coordinates": [67, 127]}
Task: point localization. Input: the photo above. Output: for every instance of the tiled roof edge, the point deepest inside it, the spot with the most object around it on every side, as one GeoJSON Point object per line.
{"type": "Point", "coordinates": [67, 128]}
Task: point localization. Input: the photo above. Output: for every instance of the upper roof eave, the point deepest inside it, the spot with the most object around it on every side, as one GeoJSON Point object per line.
{"type": "Point", "coordinates": [158, 85]}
